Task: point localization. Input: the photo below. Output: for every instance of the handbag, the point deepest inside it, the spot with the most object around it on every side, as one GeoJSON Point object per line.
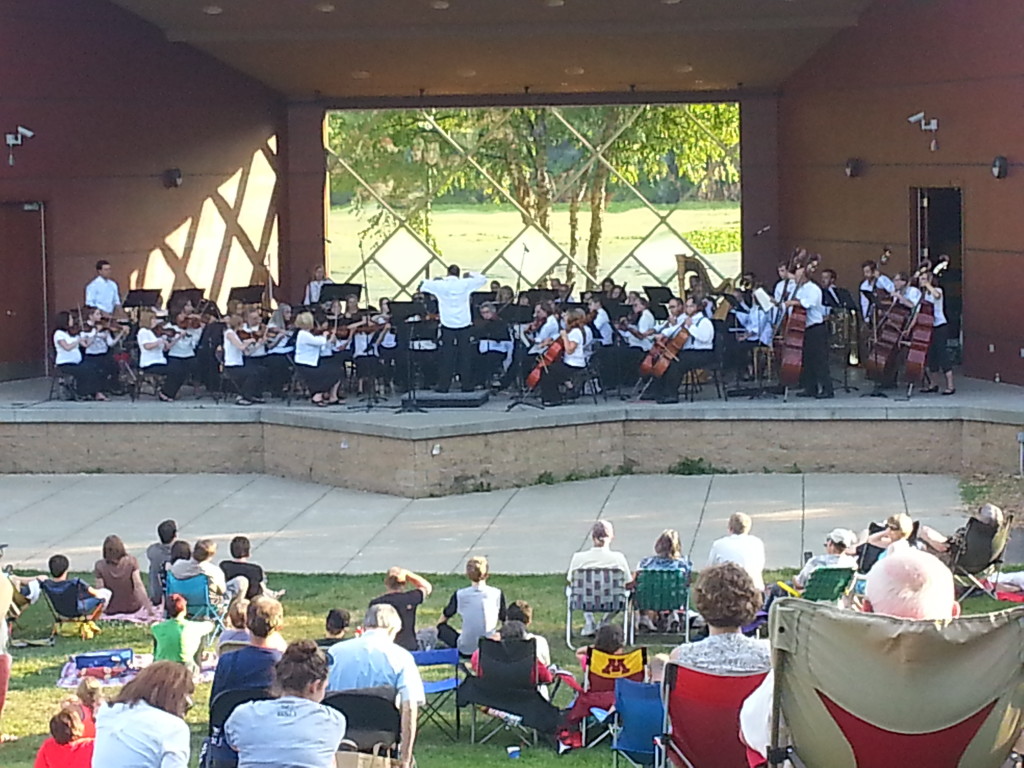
{"type": "Point", "coordinates": [378, 758]}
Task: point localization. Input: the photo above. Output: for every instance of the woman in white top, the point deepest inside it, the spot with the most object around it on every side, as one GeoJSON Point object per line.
{"type": "Point", "coordinates": [322, 381]}
{"type": "Point", "coordinates": [153, 346]}
{"type": "Point", "coordinates": [144, 726]}
{"type": "Point", "coordinates": [248, 379]}
{"type": "Point", "coordinates": [279, 344]}
{"type": "Point", "coordinates": [938, 351]}
{"type": "Point", "coordinates": [98, 352]}
{"type": "Point", "coordinates": [572, 363]}
{"type": "Point", "coordinates": [181, 355]}
{"type": "Point", "coordinates": [294, 729]}
{"type": "Point", "coordinates": [67, 344]}
{"type": "Point", "coordinates": [313, 287]}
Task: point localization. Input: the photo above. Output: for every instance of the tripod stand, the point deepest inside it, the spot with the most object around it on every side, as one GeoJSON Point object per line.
{"type": "Point", "coordinates": [405, 318]}
{"type": "Point", "coordinates": [514, 315]}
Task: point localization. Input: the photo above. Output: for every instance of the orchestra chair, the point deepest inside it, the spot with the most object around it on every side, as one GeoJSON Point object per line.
{"type": "Point", "coordinates": [597, 697]}
{"type": "Point", "coordinates": [372, 720]}
{"type": "Point", "coordinates": [215, 752]}
{"type": "Point", "coordinates": [702, 717]}
{"type": "Point", "coordinates": [854, 690]}
{"type": "Point", "coordinates": [660, 590]}
{"type": "Point", "coordinates": [637, 723]}
{"type": "Point", "coordinates": [595, 590]}
{"type": "Point", "coordinates": [692, 382]}
{"type": "Point", "coordinates": [226, 385]}
{"type": "Point", "coordinates": [978, 552]}
{"type": "Point", "coordinates": [62, 385]}
{"type": "Point", "coordinates": [296, 386]}
{"type": "Point", "coordinates": [199, 602]}
{"type": "Point", "coordinates": [440, 692]}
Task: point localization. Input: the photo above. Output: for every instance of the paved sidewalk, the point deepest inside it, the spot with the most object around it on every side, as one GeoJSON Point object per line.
{"type": "Point", "coordinates": [304, 527]}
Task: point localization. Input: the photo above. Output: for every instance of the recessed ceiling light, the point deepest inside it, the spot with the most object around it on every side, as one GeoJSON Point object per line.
{"type": "Point", "coordinates": [439, 5]}
{"type": "Point", "coordinates": [324, 7]}
{"type": "Point", "coordinates": [466, 72]}
{"type": "Point", "coordinates": [670, 2]}
{"type": "Point", "coordinates": [683, 69]}
{"type": "Point", "coordinates": [574, 70]}
{"type": "Point", "coordinates": [359, 74]}
{"type": "Point", "coordinates": [698, 82]}
{"type": "Point", "coordinates": [212, 10]}
{"type": "Point", "coordinates": [554, 3]}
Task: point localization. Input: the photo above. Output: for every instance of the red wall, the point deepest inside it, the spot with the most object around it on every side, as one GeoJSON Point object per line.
{"type": "Point", "coordinates": [113, 105]}
{"type": "Point", "coordinates": [959, 62]}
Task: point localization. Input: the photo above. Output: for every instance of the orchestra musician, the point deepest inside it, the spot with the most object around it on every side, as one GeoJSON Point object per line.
{"type": "Point", "coordinates": [68, 342]}
{"type": "Point", "coordinates": [247, 377]}
{"type": "Point", "coordinates": [154, 340]}
{"type": "Point", "coordinates": [494, 345]}
{"type": "Point", "coordinates": [785, 285]}
{"type": "Point", "coordinates": [637, 335]}
{"type": "Point", "coordinates": [280, 343]}
{"type": "Point", "coordinates": [388, 345]}
{"type": "Point", "coordinates": [571, 364]}
{"type": "Point", "coordinates": [545, 327]}
{"type": "Point", "coordinates": [99, 349]}
{"type": "Point", "coordinates": [181, 355]}
{"type": "Point", "coordinates": [938, 352]}
{"type": "Point", "coordinates": [873, 280]}
{"type": "Point", "coordinates": [816, 375]}
{"type": "Point", "coordinates": [905, 293]}
{"type": "Point", "coordinates": [829, 295]}
{"type": "Point", "coordinates": [256, 354]}
{"type": "Point", "coordinates": [320, 279]}
{"type": "Point", "coordinates": [323, 381]}
{"type": "Point", "coordinates": [102, 292]}
{"type": "Point", "coordinates": [697, 352]}
{"type": "Point", "coordinates": [452, 292]}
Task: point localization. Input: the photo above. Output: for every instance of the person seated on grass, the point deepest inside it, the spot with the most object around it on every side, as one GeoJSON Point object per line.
{"type": "Point", "coordinates": [180, 550]}
{"type": "Point", "coordinates": [336, 624]}
{"type": "Point", "coordinates": [179, 639]}
{"type": "Point", "coordinates": [159, 554]}
{"type": "Point", "coordinates": [252, 667]}
{"type": "Point", "coordinates": [239, 565]}
{"type": "Point", "coordinates": [372, 660]}
{"type": "Point", "coordinates": [119, 572]}
{"type": "Point", "coordinates": [405, 591]}
{"type": "Point", "coordinates": [944, 547]}
{"type": "Point", "coordinates": [522, 611]}
{"type": "Point", "coordinates": [600, 555]}
{"type": "Point", "coordinates": [609, 638]}
{"type": "Point", "coordinates": [510, 632]}
{"type": "Point", "coordinates": [201, 562]}
{"type": "Point", "coordinates": [66, 746]}
{"type": "Point", "coordinates": [236, 631]}
{"type": "Point", "coordinates": [86, 700]}
{"type": "Point", "coordinates": [896, 528]}
{"type": "Point", "coordinates": [667, 556]}
{"type": "Point", "coordinates": [726, 597]}
{"type": "Point", "coordinates": [72, 598]}
{"type": "Point", "coordinates": [479, 605]}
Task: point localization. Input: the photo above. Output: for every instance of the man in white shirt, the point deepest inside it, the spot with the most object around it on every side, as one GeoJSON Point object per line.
{"type": "Point", "coordinates": [741, 548]}
{"type": "Point", "coordinates": [698, 351]}
{"type": "Point", "coordinates": [873, 279]}
{"type": "Point", "coordinates": [816, 376]}
{"type": "Point", "coordinates": [103, 292]}
{"type": "Point", "coordinates": [452, 294]}
{"type": "Point", "coordinates": [600, 555]}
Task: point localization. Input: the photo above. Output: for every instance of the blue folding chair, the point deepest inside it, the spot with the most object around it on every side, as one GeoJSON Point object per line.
{"type": "Point", "coordinates": [637, 723]}
{"type": "Point", "coordinates": [439, 692]}
{"type": "Point", "coordinates": [196, 591]}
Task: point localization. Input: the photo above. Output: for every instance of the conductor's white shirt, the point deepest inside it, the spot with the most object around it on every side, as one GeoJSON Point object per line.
{"type": "Point", "coordinates": [453, 298]}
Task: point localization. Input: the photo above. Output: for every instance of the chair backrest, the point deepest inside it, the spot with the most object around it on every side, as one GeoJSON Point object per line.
{"type": "Point", "coordinates": [438, 657]}
{"type": "Point", "coordinates": [62, 597]}
{"type": "Point", "coordinates": [603, 669]}
{"type": "Point", "coordinates": [230, 646]}
{"type": "Point", "coordinates": [983, 545]}
{"type": "Point", "coordinates": [371, 716]}
{"type": "Point", "coordinates": [195, 590]}
{"type": "Point", "coordinates": [828, 584]}
{"type": "Point", "coordinates": [702, 716]}
{"type": "Point", "coordinates": [661, 590]}
{"type": "Point", "coordinates": [508, 664]}
{"type": "Point", "coordinates": [226, 702]}
{"type": "Point", "coordinates": [641, 716]}
{"type": "Point", "coordinates": [946, 694]}
{"type": "Point", "coordinates": [598, 590]}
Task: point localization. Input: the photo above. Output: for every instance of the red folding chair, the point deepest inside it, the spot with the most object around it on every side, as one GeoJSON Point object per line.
{"type": "Point", "coordinates": [702, 717]}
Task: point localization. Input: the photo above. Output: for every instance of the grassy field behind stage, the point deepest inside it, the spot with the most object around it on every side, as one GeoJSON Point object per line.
{"type": "Point", "coordinates": [33, 695]}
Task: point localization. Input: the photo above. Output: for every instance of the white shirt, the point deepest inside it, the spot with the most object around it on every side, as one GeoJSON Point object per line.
{"type": "Point", "coordinates": [256, 350]}
{"type": "Point", "coordinates": [140, 736]}
{"type": "Point", "coordinates": [371, 660]}
{"type": "Point", "coordinates": [702, 333]}
{"type": "Point", "coordinates": [809, 296]}
{"type": "Point", "coordinates": [102, 294]}
{"type": "Point", "coordinates": [184, 346]}
{"type": "Point", "coordinates": [743, 549]}
{"type": "Point", "coordinates": [289, 731]}
{"type": "Point", "coordinates": [643, 325]}
{"type": "Point", "coordinates": [783, 290]}
{"type": "Point", "coordinates": [66, 356]}
{"type": "Point", "coordinates": [670, 326]}
{"type": "Point", "coordinates": [148, 357]}
{"type": "Point", "coordinates": [938, 307]}
{"type": "Point", "coordinates": [599, 557]}
{"type": "Point", "coordinates": [453, 298]}
{"type": "Point", "coordinates": [882, 282]}
{"type": "Point", "coordinates": [313, 290]}
{"type": "Point", "coordinates": [233, 356]}
{"type": "Point", "coordinates": [604, 327]}
{"type": "Point", "coordinates": [549, 330]}
{"type": "Point", "coordinates": [99, 342]}
{"type": "Point", "coordinates": [756, 715]}
{"type": "Point", "coordinates": [758, 323]}
{"type": "Point", "coordinates": [308, 347]}
{"type": "Point", "coordinates": [578, 357]}
{"type": "Point", "coordinates": [912, 294]}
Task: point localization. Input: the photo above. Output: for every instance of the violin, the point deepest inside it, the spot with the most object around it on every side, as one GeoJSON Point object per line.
{"type": "Point", "coordinates": [195, 322]}
{"type": "Point", "coordinates": [256, 334]}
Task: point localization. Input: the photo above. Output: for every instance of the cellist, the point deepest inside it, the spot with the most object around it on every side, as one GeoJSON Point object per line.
{"type": "Point", "coordinates": [815, 376]}
{"type": "Point", "coordinates": [572, 362]}
{"type": "Point", "coordinates": [696, 353]}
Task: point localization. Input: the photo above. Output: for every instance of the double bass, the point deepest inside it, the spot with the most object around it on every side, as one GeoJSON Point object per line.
{"type": "Point", "coordinates": [789, 349]}
{"type": "Point", "coordinates": [883, 358]}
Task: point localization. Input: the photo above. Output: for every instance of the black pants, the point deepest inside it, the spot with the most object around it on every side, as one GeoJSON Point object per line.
{"type": "Point", "coordinates": [456, 355]}
{"type": "Point", "coordinates": [938, 352]}
{"type": "Point", "coordinates": [688, 360]}
{"type": "Point", "coordinates": [277, 373]}
{"type": "Point", "coordinates": [489, 366]}
{"type": "Point", "coordinates": [628, 361]}
{"type": "Point", "coordinates": [607, 366]}
{"type": "Point", "coordinates": [86, 380]}
{"type": "Point", "coordinates": [556, 373]}
{"type": "Point", "coordinates": [178, 370]}
{"type": "Point", "coordinates": [816, 376]}
{"type": "Point", "coordinates": [248, 380]}
{"type": "Point", "coordinates": [105, 369]}
{"type": "Point", "coordinates": [174, 377]}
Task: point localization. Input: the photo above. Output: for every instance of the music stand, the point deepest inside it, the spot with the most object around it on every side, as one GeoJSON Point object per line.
{"type": "Point", "coordinates": [186, 295]}
{"type": "Point", "coordinates": [660, 311]}
{"type": "Point", "coordinates": [482, 297]}
{"type": "Point", "coordinates": [658, 294]}
{"type": "Point", "coordinates": [141, 298]}
{"type": "Point", "coordinates": [516, 314]}
{"type": "Point", "coordinates": [401, 311]}
{"type": "Point", "coordinates": [537, 295]}
{"type": "Point", "coordinates": [615, 313]}
{"type": "Point", "coordinates": [340, 292]}
{"type": "Point", "coordinates": [249, 294]}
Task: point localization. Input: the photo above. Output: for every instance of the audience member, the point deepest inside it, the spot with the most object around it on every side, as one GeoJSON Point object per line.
{"type": "Point", "coordinates": [740, 547]}
{"type": "Point", "coordinates": [201, 562]}
{"type": "Point", "coordinates": [608, 638]}
{"type": "Point", "coordinates": [66, 747]}
{"type": "Point", "coordinates": [726, 597]}
{"type": "Point", "coordinates": [898, 527]}
{"type": "Point", "coordinates": [838, 543]}
{"type": "Point", "coordinates": [119, 572]}
{"type": "Point", "coordinates": [252, 667]}
{"type": "Point", "coordinates": [236, 631]}
{"type": "Point", "coordinates": [294, 729]}
{"type": "Point", "coordinates": [521, 610]}
{"type": "Point", "coordinates": [656, 667]}
{"type": "Point", "coordinates": [667, 556]}
{"type": "Point", "coordinates": [988, 515]}
{"type": "Point", "coordinates": [88, 698]}
{"type": "Point", "coordinates": [404, 600]}
{"type": "Point", "coordinates": [179, 639]}
{"type": "Point", "coordinates": [510, 632]}
{"type": "Point", "coordinates": [144, 727]}
{"type": "Point", "coordinates": [373, 660]}
{"type": "Point", "coordinates": [72, 597]}
{"type": "Point", "coordinates": [180, 550]}
{"type": "Point", "coordinates": [337, 622]}
{"type": "Point", "coordinates": [239, 566]}
{"type": "Point", "coordinates": [600, 555]}
{"type": "Point", "coordinates": [480, 607]}
{"type": "Point", "coordinates": [159, 554]}
{"type": "Point", "coordinates": [6, 599]}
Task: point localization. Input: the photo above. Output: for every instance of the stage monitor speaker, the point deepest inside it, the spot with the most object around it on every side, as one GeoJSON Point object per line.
{"type": "Point", "coordinates": [430, 399]}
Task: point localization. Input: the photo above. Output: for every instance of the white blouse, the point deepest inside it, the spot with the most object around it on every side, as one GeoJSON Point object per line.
{"type": "Point", "coordinates": [308, 347]}
{"type": "Point", "coordinates": [148, 357]}
{"type": "Point", "coordinates": [233, 357]}
{"type": "Point", "coordinates": [577, 359]}
{"type": "Point", "coordinates": [71, 356]}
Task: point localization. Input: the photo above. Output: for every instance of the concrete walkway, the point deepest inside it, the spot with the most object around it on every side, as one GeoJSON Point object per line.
{"type": "Point", "coordinates": [304, 527]}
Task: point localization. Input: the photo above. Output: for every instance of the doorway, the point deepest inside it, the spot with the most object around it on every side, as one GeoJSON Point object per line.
{"type": "Point", "coordinates": [24, 351]}
{"type": "Point", "coordinates": [937, 216]}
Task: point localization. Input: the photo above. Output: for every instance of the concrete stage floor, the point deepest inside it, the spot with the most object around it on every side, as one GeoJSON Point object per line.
{"type": "Point", "coordinates": [306, 527]}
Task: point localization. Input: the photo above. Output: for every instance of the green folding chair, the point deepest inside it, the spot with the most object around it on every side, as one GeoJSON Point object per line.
{"type": "Point", "coordinates": [825, 585]}
{"type": "Point", "coordinates": [661, 590]}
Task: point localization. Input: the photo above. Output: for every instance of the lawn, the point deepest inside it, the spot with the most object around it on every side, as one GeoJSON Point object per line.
{"type": "Point", "coordinates": [33, 696]}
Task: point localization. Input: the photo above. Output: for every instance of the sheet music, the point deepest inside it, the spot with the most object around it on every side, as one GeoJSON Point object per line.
{"type": "Point", "coordinates": [763, 299]}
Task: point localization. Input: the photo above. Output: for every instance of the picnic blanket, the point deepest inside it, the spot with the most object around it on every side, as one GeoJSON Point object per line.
{"type": "Point", "coordinates": [69, 673]}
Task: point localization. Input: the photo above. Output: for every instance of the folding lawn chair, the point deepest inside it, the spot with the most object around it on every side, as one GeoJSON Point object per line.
{"type": "Point", "coordinates": [702, 717]}
{"type": "Point", "coordinates": [215, 753]}
{"type": "Point", "coordinates": [595, 590]}
{"type": "Point", "coordinates": [371, 717]}
{"type": "Point", "coordinates": [637, 723]}
{"type": "Point", "coordinates": [440, 692]}
{"type": "Point", "coordinates": [979, 550]}
{"type": "Point", "coordinates": [825, 585]}
{"type": "Point", "coordinates": [661, 590]}
{"type": "Point", "coordinates": [61, 597]}
{"type": "Point", "coordinates": [597, 697]}
{"type": "Point", "coordinates": [942, 694]}
{"type": "Point", "coordinates": [200, 605]}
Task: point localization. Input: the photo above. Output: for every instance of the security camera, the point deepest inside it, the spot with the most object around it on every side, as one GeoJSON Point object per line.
{"type": "Point", "coordinates": [26, 132]}
{"type": "Point", "coordinates": [916, 118]}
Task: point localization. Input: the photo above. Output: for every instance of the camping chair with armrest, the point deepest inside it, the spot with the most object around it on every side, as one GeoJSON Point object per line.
{"type": "Point", "coordinates": [371, 717]}
{"type": "Point", "coordinates": [637, 723]}
{"type": "Point", "coordinates": [598, 695]}
{"type": "Point", "coordinates": [702, 716]}
{"type": "Point", "coordinates": [825, 585]}
{"type": "Point", "coordinates": [215, 752]}
{"type": "Point", "coordinates": [595, 590]}
{"type": "Point", "coordinates": [507, 691]}
{"type": "Point", "coordinates": [440, 692]}
{"type": "Point", "coordinates": [977, 551]}
{"type": "Point", "coordinates": [61, 597]}
{"type": "Point", "coordinates": [199, 601]}
{"type": "Point", "coordinates": [661, 590]}
{"type": "Point", "coordinates": [943, 694]}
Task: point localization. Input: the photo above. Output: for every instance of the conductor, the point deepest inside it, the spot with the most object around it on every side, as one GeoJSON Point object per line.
{"type": "Point", "coordinates": [452, 292]}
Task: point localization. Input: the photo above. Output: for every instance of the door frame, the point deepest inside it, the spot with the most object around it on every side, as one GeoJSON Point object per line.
{"type": "Point", "coordinates": [40, 206]}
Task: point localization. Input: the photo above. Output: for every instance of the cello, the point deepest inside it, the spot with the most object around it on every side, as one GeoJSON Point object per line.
{"type": "Point", "coordinates": [552, 354]}
{"type": "Point", "coordinates": [663, 354]}
{"type": "Point", "coordinates": [789, 349]}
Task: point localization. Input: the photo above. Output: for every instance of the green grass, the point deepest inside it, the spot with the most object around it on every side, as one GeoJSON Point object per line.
{"type": "Point", "coordinates": [33, 695]}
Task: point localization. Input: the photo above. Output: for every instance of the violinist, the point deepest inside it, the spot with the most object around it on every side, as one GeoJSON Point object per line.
{"type": "Point", "coordinates": [68, 343]}
{"type": "Point", "coordinates": [637, 333]}
{"type": "Point", "coordinates": [573, 362]}
{"type": "Point", "coordinates": [211, 338]}
{"type": "Point", "coordinates": [247, 377]}
{"type": "Point", "coordinates": [98, 351]}
{"type": "Point", "coordinates": [697, 352]}
{"type": "Point", "coordinates": [494, 345]}
{"type": "Point", "coordinates": [181, 355]}
{"type": "Point", "coordinates": [323, 381]}
{"type": "Point", "coordinates": [505, 296]}
{"type": "Point", "coordinates": [154, 339]}
{"type": "Point", "coordinates": [815, 374]}
{"type": "Point", "coordinates": [313, 287]}
{"type": "Point", "coordinates": [873, 281]}
{"type": "Point", "coordinates": [421, 332]}
{"type": "Point", "coordinates": [938, 352]}
{"type": "Point", "coordinates": [280, 343]}
{"type": "Point", "coordinates": [365, 342]}
{"type": "Point", "coordinates": [388, 344]}
{"type": "Point", "coordinates": [256, 330]}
